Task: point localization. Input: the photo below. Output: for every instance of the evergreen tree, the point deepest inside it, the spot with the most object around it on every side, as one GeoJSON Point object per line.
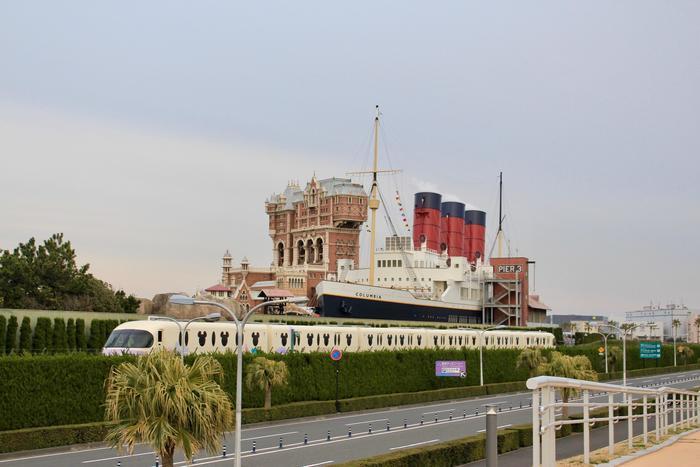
{"type": "Point", "coordinates": [60, 341]}
{"type": "Point", "coordinates": [94, 339]}
{"type": "Point", "coordinates": [3, 330]}
{"type": "Point", "coordinates": [42, 329]}
{"type": "Point", "coordinates": [25, 335]}
{"type": "Point", "coordinates": [11, 336]}
{"type": "Point", "coordinates": [70, 334]}
{"type": "Point", "coordinates": [80, 340]}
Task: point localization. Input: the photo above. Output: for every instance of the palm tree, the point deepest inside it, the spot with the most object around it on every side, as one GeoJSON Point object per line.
{"type": "Point", "coordinates": [264, 374]}
{"type": "Point", "coordinates": [686, 352]}
{"type": "Point", "coordinates": [530, 359]}
{"type": "Point", "coordinates": [160, 401]}
{"type": "Point", "coordinates": [614, 357]}
{"type": "Point", "coordinates": [565, 366]}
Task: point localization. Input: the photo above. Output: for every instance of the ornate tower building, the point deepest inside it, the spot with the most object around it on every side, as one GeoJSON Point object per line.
{"type": "Point", "coordinates": [312, 228]}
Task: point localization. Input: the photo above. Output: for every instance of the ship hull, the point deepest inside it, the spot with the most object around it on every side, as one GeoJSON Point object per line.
{"type": "Point", "coordinates": [363, 302]}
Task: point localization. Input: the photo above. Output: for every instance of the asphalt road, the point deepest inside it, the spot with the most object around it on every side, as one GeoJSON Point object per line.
{"type": "Point", "coordinates": [455, 419]}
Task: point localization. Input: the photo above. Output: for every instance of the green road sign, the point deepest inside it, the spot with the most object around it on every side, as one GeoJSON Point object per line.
{"type": "Point", "coordinates": [650, 350]}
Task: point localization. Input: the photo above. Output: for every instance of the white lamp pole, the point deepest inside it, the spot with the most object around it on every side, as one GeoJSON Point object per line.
{"type": "Point", "coordinates": [605, 341]}
{"type": "Point", "coordinates": [240, 326]}
{"type": "Point", "coordinates": [211, 317]}
{"type": "Point", "coordinates": [624, 348]}
{"type": "Point", "coordinates": [481, 349]}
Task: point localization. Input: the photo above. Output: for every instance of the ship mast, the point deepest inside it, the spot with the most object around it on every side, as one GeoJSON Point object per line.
{"type": "Point", "coordinates": [374, 197]}
{"type": "Point", "coordinates": [499, 234]}
{"type": "Point", "coordinates": [374, 201]}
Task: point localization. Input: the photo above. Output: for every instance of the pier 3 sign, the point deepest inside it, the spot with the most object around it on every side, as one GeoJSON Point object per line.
{"type": "Point", "coordinates": [456, 368]}
{"type": "Point", "coordinates": [510, 268]}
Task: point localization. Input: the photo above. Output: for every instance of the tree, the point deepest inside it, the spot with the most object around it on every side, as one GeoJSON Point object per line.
{"type": "Point", "coordinates": [565, 366]}
{"type": "Point", "coordinates": [60, 339]}
{"type": "Point", "coordinates": [264, 373]}
{"type": "Point", "coordinates": [686, 352]}
{"type": "Point", "coordinates": [697, 327]}
{"type": "Point", "coordinates": [25, 335]}
{"type": "Point", "coordinates": [80, 341]}
{"type": "Point", "coordinates": [160, 401]}
{"type": "Point", "coordinates": [94, 341]}
{"type": "Point", "coordinates": [46, 276]}
{"type": "Point", "coordinates": [70, 334]}
{"type": "Point", "coordinates": [11, 335]}
{"type": "Point", "coordinates": [614, 357]}
{"type": "Point", "coordinates": [530, 359]}
{"type": "Point", "coordinates": [42, 335]}
{"type": "Point", "coordinates": [3, 332]}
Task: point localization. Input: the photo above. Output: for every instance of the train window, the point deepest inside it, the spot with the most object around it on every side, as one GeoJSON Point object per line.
{"type": "Point", "coordinates": [213, 338]}
{"type": "Point", "coordinates": [160, 335]}
{"type": "Point", "coordinates": [130, 339]}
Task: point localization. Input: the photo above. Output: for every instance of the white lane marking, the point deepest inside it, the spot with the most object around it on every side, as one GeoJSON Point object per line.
{"type": "Point", "coordinates": [118, 457]}
{"type": "Point", "coordinates": [414, 444]}
{"type": "Point", "coordinates": [53, 454]}
{"type": "Point", "coordinates": [270, 436]}
{"type": "Point", "coordinates": [438, 411]}
{"type": "Point", "coordinates": [319, 463]}
{"type": "Point", "coordinates": [367, 421]}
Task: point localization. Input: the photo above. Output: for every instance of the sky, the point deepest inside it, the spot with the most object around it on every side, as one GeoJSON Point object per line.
{"type": "Point", "coordinates": [151, 133]}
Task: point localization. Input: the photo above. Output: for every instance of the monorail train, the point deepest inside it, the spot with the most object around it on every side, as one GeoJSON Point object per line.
{"type": "Point", "coordinates": [139, 337]}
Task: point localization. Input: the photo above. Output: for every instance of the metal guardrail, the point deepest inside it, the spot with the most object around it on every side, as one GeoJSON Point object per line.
{"type": "Point", "coordinates": [673, 408]}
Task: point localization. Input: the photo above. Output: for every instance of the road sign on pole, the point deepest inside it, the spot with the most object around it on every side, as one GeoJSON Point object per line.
{"type": "Point", "coordinates": [650, 350]}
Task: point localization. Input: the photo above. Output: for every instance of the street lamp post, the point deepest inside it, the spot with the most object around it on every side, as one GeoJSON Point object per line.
{"type": "Point", "coordinates": [624, 347]}
{"type": "Point", "coordinates": [605, 342]}
{"type": "Point", "coordinates": [210, 318]}
{"type": "Point", "coordinates": [240, 326]}
{"type": "Point", "coordinates": [481, 349]}
{"type": "Point", "coordinates": [674, 325]}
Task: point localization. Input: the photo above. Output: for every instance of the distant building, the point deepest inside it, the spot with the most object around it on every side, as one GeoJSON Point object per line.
{"type": "Point", "coordinates": [561, 319]}
{"type": "Point", "coordinates": [664, 315]}
{"type": "Point", "coordinates": [650, 330]}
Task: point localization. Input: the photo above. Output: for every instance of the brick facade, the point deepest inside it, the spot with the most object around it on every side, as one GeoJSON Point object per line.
{"type": "Point", "coordinates": [312, 228]}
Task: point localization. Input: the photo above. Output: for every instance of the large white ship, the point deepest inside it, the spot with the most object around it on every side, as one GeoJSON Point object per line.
{"type": "Point", "coordinates": [410, 285]}
{"type": "Point", "coordinates": [439, 274]}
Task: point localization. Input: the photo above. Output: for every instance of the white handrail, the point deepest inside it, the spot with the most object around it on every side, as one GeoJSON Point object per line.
{"type": "Point", "coordinates": [672, 408]}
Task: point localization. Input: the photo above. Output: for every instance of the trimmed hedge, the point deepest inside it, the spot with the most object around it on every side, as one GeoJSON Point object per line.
{"type": "Point", "coordinates": [47, 437]}
{"type": "Point", "coordinates": [447, 454]}
{"type": "Point", "coordinates": [524, 435]}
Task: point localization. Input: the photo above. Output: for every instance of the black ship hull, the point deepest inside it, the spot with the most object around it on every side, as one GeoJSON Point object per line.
{"type": "Point", "coordinates": [334, 306]}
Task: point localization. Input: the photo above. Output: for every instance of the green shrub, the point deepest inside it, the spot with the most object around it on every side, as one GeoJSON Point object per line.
{"type": "Point", "coordinates": [524, 435]}
{"type": "Point", "coordinates": [46, 437]}
{"type": "Point", "coordinates": [60, 340]}
{"type": "Point", "coordinates": [42, 335]}
{"type": "Point", "coordinates": [11, 335]}
{"type": "Point", "coordinates": [25, 336]}
{"type": "Point", "coordinates": [447, 454]}
{"type": "Point", "coordinates": [3, 332]}
{"type": "Point", "coordinates": [70, 334]}
{"type": "Point", "coordinates": [94, 341]}
{"type": "Point", "coordinates": [80, 340]}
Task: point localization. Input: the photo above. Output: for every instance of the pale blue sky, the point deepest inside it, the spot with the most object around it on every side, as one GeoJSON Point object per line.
{"type": "Point", "coordinates": [151, 132]}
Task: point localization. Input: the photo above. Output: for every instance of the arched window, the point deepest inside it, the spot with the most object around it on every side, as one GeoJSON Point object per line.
{"type": "Point", "coordinates": [301, 252]}
{"type": "Point", "coordinates": [280, 254]}
{"type": "Point", "coordinates": [310, 254]}
{"type": "Point", "coordinates": [319, 250]}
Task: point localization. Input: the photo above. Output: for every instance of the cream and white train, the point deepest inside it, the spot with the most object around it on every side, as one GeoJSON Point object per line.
{"type": "Point", "coordinates": [138, 337]}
